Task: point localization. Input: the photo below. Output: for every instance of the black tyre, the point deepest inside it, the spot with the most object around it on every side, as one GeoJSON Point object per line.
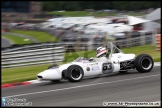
{"type": "Point", "coordinates": [74, 73]}
{"type": "Point", "coordinates": [123, 71]}
{"type": "Point", "coordinates": [52, 66]}
{"type": "Point", "coordinates": [55, 80]}
{"type": "Point", "coordinates": [144, 63]}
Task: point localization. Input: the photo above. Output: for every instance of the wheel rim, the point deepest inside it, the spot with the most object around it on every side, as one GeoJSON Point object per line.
{"type": "Point", "coordinates": [146, 63]}
{"type": "Point", "coordinates": [76, 73]}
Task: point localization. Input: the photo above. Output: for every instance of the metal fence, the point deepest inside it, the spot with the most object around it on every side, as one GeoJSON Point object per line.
{"type": "Point", "coordinates": [136, 41]}
{"type": "Point", "coordinates": [66, 45]}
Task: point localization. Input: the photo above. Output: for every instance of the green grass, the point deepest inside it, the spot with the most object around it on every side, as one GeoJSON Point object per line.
{"type": "Point", "coordinates": [16, 40]}
{"type": "Point", "coordinates": [96, 14]}
{"type": "Point", "coordinates": [29, 72]}
{"type": "Point", "coordinates": [39, 35]}
{"type": "Point", "coordinates": [73, 55]}
{"type": "Point", "coordinates": [21, 73]}
{"type": "Point", "coordinates": [147, 49]}
{"type": "Point", "coordinates": [70, 13]}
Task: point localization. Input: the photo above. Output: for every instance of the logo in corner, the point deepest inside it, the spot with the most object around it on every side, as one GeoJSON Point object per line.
{"type": "Point", "coordinates": [3, 102]}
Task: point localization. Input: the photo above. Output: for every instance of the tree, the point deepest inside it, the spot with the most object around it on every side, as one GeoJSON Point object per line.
{"type": "Point", "coordinates": [99, 5]}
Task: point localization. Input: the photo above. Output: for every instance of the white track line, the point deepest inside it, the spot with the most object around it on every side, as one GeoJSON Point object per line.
{"type": "Point", "coordinates": [157, 64]}
{"type": "Point", "coordinates": [81, 86]}
{"type": "Point", "coordinates": [36, 81]}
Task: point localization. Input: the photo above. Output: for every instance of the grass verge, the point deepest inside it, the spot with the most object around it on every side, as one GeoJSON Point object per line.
{"type": "Point", "coordinates": [16, 40]}
{"type": "Point", "coordinates": [39, 35]}
{"type": "Point", "coordinates": [96, 14]}
{"type": "Point", "coordinates": [25, 73]}
{"type": "Point", "coordinates": [145, 49]}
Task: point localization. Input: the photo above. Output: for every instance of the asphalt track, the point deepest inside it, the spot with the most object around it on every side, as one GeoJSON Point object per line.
{"type": "Point", "coordinates": [132, 87]}
{"type": "Point", "coordinates": [5, 42]}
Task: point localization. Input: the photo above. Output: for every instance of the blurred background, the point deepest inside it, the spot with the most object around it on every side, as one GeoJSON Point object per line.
{"type": "Point", "coordinates": [39, 33]}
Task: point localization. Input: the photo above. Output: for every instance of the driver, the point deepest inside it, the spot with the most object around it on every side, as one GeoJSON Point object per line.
{"type": "Point", "coordinates": [101, 54]}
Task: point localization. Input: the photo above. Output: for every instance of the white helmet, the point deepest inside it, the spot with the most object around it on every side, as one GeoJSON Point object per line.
{"type": "Point", "coordinates": [100, 51]}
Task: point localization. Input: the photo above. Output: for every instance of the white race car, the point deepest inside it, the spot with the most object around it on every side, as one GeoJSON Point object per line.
{"type": "Point", "coordinates": [117, 61]}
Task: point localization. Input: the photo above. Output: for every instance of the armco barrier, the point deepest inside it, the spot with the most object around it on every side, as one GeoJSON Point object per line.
{"type": "Point", "coordinates": [32, 57]}
{"type": "Point", "coordinates": [158, 42]}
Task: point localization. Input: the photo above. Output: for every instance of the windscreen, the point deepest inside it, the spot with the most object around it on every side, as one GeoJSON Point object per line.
{"type": "Point", "coordinates": [111, 49]}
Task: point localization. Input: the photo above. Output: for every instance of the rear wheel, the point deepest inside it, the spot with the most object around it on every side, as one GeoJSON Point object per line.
{"type": "Point", "coordinates": [144, 63]}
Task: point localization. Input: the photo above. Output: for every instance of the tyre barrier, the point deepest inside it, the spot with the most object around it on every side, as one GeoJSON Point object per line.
{"type": "Point", "coordinates": [158, 42]}
{"type": "Point", "coordinates": [3, 30]}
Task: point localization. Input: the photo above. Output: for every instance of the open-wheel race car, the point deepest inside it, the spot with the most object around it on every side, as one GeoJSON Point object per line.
{"type": "Point", "coordinates": [116, 61]}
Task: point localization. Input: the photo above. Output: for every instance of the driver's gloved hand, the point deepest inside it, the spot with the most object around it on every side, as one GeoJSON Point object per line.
{"type": "Point", "coordinates": [91, 59]}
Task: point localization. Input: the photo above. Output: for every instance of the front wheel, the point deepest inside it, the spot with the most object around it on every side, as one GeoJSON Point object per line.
{"type": "Point", "coordinates": [74, 73]}
{"type": "Point", "coordinates": [144, 63]}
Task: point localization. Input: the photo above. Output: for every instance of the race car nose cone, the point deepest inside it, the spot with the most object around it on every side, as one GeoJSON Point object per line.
{"type": "Point", "coordinates": [49, 75]}
{"type": "Point", "coordinates": [39, 76]}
